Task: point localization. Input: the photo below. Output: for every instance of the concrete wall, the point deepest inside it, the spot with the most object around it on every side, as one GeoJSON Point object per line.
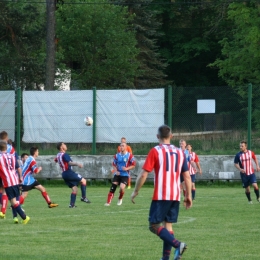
{"type": "Point", "coordinates": [213, 167]}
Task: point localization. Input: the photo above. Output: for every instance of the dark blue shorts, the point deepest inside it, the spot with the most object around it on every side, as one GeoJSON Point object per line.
{"type": "Point", "coordinates": [71, 178]}
{"type": "Point", "coordinates": [13, 192]}
{"type": "Point", "coordinates": [182, 179]}
{"type": "Point", "coordinates": [30, 187]}
{"type": "Point", "coordinates": [193, 178]}
{"type": "Point", "coordinates": [247, 180]}
{"type": "Point", "coordinates": [164, 210]}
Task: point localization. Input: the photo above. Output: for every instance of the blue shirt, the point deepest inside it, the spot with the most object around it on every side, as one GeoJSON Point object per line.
{"type": "Point", "coordinates": [123, 160]}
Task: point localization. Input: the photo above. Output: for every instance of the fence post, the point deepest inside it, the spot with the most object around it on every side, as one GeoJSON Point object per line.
{"type": "Point", "coordinates": [18, 120]}
{"type": "Point", "coordinates": [94, 122]}
{"type": "Point", "coordinates": [249, 122]}
{"type": "Point", "coordinates": [170, 106]}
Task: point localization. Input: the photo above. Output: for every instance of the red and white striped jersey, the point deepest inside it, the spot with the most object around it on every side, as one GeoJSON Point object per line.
{"type": "Point", "coordinates": [194, 158]}
{"type": "Point", "coordinates": [168, 162]}
{"type": "Point", "coordinates": [7, 170]}
{"type": "Point", "coordinates": [245, 161]}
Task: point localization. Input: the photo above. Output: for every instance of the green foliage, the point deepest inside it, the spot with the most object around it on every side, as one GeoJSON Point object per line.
{"type": "Point", "coordinates": [98, 43]}
{"type": "Point", "coordinates": [240, 63]}
{"type": "Point", "coordinates": [22, 45]}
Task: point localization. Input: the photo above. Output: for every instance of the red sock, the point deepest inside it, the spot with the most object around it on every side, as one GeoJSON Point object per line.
{"type": "Point", "coordinates": [110, 197]}
{"type": "Point", "coordinates": [121, 194]}
{"type": "Point", "coordinates": [46, 197]}
{"type": "Point", "coordinates": [129, 181]}
{"type": "Point", "coordinates": [4, 203]}
{"type": "Point", "coordinates": [21, 200]}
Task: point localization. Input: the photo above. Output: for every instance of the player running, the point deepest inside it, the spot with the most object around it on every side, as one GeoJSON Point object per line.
{"type": "Point", "coordinates": [71, 178]}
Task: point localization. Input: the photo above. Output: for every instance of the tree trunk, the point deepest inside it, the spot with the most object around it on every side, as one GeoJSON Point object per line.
{"type": "Point", "coordinates": [50, 44]}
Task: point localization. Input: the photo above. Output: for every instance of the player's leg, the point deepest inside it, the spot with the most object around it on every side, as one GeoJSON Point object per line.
{"type": "Point", "coordinates": [13, 193]}
{"type": "Point", "coordinates": [4, 204]}
{"type": "Point", "coordinates": [253, 181]}
{"type": "Point", "coordinates": [45, 195]}
{"type": "Point", "coordinates": [73, 196]}
{"type": "Point", "coordinates": [112, 190]}
{"type": "Point", "coordinates": [123, 183]}
{"type": "Point", "coordinates": [83, 187]}
{"type": "Point", "coordinates": [193, 189]}
{"type": "Point", "coordinates": [129, 181]}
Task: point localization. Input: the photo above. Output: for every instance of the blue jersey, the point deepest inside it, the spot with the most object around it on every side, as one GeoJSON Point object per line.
{"type": "Point", "coordinates": [123, 160]}
{"type": "Point", "coordinates": [29, 168]}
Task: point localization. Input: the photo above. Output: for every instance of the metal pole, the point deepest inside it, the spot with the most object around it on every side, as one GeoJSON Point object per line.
{"type": "Point", "coordinates": [94, 122]}
{"type": "Point", "coordinates": [249, 116]}
{"type": "Point", "coordinates": [18, 121]}
{"type": "Point", "coordinates": [170, 106]}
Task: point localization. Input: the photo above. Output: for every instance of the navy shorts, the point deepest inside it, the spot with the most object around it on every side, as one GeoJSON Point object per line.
{"type": "Point", "coordinates": [193, 178]}
{"type": "Point", "coordinates": [247, 179]}
{"type": "Point", "coordinates": [182, 179]}
{"type": "Point", "coordinates": [120, 179]}
{"type": "Point", "coordinates": [12, 192]}
{"type": "Point", "coordinates": [164, 210]}
{"type": "Point", "coordinates": [30, 187]}
{"type": "Point", "coordinates": [71, 178]}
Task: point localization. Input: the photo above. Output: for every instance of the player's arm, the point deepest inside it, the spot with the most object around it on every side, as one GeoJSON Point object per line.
{"type": "Point", "coordinates": [198, 163]}
{"type": "Point", "coordinates": [188, 185]}
{"type": "Point", "coordinates": [132, 164]}
{"type": "Point", "coordinates": [256, 161]}
{"type": "Point", "coordinates": [139, 183]}
{"type": "Point", "coordinates": [75, 164]}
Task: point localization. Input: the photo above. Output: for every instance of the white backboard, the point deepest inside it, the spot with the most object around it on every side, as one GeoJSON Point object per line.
{"type": "Point", "coordinates": [206, 106]}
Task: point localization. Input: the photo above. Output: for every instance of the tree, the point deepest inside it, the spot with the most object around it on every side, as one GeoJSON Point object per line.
{"type": "Point", "coordinates": [98, 44]}
{"type": "Point", "coordinates": [22, 48]}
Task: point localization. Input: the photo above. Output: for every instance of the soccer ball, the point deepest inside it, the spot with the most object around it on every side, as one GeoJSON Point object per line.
{"type": "Point", "coordinates": [88, 120]}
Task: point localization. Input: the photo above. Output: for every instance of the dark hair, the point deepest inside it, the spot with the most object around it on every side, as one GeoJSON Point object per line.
{"type": "Point", "coordinates": [59, 145]}
{"type": "Point", "coordinates": [3, 146]}
{"type": "Point", "coordinates": [164, 131]}
{"type": "Point", "coordinates": [3, 135]}
{"type": "Point", "coordinates": [33, 150]}
{"type": "Point", "coordinates": [24, 154]}
{"type": "Point", "coordinates": [243, 142]}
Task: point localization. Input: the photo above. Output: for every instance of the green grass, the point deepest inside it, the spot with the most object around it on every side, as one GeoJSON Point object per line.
{"type": "Point", "coordinates": [220, 225]}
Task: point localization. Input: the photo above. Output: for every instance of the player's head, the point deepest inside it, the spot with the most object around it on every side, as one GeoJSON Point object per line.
{"type": "Point", "coordinates": [123, 147]}
{"type": "Point", "coordinates": [182, 144]}
{"type": "Point", "coordinates": [189, 147]}
{"type": "Point", "coordinates": [3, 146]}
{"type": "Point", "coordinates": [4, 136]}
{"type": "Point", "coordinates": [61, 146]}
{"type": "Point", "coordinates": [123, 140]}
{"type": "Point", "coordinates": [34, 151]}
{"type": "Point", "coordinates": [24, 156]}
{"type": "Point", "coordinates": [243, 146]}
{"type": "Point", "coordinates": [164, 132]}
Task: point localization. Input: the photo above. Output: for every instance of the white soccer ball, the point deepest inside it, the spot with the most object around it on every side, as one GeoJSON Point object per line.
{"type": "Point", "coordinates": [88, 120]}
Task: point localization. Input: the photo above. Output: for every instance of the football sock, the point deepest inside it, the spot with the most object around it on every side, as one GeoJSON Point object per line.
{"type": "Point", "coordinates": [19, 210]}
{"type": "Point", "coordinates": [14, 212]}
{"type": "Point", "coordinates": [193, 191]}
{"type": "Point", "coordinates": [121, 194]}
{"type": "Point", "coordinates": [4, 203]}
{"type": "Point", "coordinates": [46, 197]}
{"type": "Point", "coordinates": [167, 237]}
{"type": "Point", "coordinates": [256, 193]}
{"type": "Point", "coordinates": [110, 197]}
{"type": "Point", "coordinates": [248, 196]}
{"type": "Point", "coordinates": [1, 197]}
{"type": "Point", "coordinates": [129, 182]}
{"type": "Point", "coordinates": [21, 200]}
{"type": "Point", "coordinates": [73, 198]}
{"type": "Point", "coordinates": [167, 248]}
{"type": "Point", "coordinates": [83, 190]}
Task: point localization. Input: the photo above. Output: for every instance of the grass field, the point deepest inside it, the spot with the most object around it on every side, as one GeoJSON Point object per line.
{"type": "Point", "coordinates": [221, 225]}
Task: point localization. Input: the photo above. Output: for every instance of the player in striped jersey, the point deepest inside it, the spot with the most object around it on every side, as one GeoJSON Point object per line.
{"type": "Point", "coordinates": [8, 165]}
{"type": "Point", "coordinates": [168, 164]}
{"type": "Point", "coordinates": [123, 162]}
{"type": "Point", "coordinates": [192, 169]}
{"type": "Point", "coordinates": [244, 163]}
{"type": "Point", "coordinates": [71, 178]}
{"type": "Point", "coordinates": [3, 196]}
{"type": "Point", "coordinates": [29, 182]}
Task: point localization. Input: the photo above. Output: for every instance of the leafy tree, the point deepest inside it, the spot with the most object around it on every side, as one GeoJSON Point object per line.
{"type": "Point", "coordinates": [152, 65]}
{"type": "Point", "coordinates": [22, 45]}
{"type": "Point", "coordinates": [98, 43]}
